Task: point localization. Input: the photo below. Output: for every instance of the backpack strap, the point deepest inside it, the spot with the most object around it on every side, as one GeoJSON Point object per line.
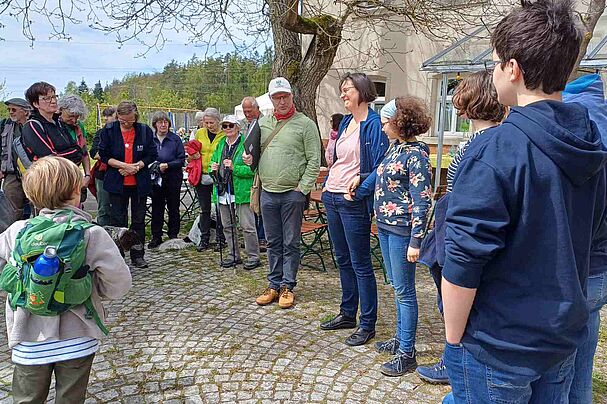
{"type": "Point", "coordinates": [91, 313]}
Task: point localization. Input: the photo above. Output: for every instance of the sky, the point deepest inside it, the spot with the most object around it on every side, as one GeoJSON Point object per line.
{"type": "Point", "coordinates": [90, 55]}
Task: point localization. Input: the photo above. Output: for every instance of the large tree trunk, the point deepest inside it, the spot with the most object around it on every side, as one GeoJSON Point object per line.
{"type": "Point", "coordinates": [306, 70]}
{"type": "Point", "coordinates": [589, 21]}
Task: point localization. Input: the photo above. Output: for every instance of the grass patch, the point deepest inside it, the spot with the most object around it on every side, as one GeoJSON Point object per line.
{"type": "Point", "coordinates": [599, 389]}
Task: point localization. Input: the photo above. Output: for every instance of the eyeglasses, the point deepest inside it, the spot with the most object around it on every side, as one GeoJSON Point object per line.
{"type": "Point", "coordinates": [490, 65]}
{"type": "Point", "coordinates": [13, 109]}
{"type": "Point", "coordinates": [125, 121]}
{"type": "Point", "coordinates": [49, 98]}
{"type": "Point", "coordinates": [279, 98]}
{"type": "Point", "coordinates": [227, 125]}
{"type": "Point", "coordinates": [346, 89]}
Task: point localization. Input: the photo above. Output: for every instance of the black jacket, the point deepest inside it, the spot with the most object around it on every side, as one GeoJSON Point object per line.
{"type": "Point", "coordinates": [111, 146]}
{"type": "Point", "coordinates": [100, 175]}
{"type": "Point", "coordinates": [43, 138]}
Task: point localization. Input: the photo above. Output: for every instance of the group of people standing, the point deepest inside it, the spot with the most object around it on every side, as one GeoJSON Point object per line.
{"type": "Point", "coordinates": [518, 243]}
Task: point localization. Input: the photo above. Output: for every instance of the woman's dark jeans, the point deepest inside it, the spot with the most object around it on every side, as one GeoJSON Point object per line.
{"type": "Point", "coordinates": [350, 231]}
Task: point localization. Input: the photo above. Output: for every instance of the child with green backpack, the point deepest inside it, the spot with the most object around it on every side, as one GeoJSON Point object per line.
{"type": "Point", "coordinates": [56, 267]}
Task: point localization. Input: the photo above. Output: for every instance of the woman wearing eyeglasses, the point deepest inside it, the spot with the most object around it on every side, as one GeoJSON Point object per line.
{"type": "Point", "coordinates": [44, 134]}
{"type": "Point", "coordinates": [348, 199]}
{"type": "Point", "coordinates": [210, 135]}
{"type": "Point", "coordinates": [127, 147]}
{"type": "Point", "coordinates": [233, 187]}
{"type": "Point", "coordinates": [166, 190]}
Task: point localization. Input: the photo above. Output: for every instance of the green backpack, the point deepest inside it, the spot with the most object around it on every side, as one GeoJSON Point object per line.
{"type": "Point", "coordinates": [55, 294]}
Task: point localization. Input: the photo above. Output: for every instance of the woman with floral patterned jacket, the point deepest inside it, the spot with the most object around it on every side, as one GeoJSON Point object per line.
{"type": "Point", "coordinates": [403, 196]}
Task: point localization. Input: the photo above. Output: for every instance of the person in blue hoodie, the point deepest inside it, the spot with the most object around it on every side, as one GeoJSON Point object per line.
{"type": "Point", "coordinates": [588, 91]}
{"type": "Point", "coordinates": [348, 199]}
{"type": "Point", "coordinates": [527, 202]}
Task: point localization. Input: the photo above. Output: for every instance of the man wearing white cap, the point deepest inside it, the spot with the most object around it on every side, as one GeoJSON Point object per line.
{"type": "Point", "coordinates": [288, 167]}
{"type": "Point", "coordinates": [10, 129]}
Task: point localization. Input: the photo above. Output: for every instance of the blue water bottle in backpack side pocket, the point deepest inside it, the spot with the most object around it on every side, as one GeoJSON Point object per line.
{"type": "Point", "coordinates": [47, 264]}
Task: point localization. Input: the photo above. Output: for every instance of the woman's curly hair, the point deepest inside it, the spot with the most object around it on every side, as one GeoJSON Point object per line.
{"type": "Point", "coordinates": [476, 98]}
{"type": "Point", "coordinates": [412, 117]}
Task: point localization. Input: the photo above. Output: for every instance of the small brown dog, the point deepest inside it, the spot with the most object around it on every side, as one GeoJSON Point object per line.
{"type": "Point", "coordinates": [124, 238]}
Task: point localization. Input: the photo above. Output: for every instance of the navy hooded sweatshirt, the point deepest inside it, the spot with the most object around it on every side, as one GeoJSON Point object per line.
{"type": "Point", "coordinates": [527, 201]}
{"type": "Point", "coordinates": [588, 91]}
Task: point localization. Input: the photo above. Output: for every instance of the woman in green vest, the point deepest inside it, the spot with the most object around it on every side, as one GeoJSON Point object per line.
{"type": "Point", "coordinates": [210, 135]}
{"type": "Point", "coordinates": [234, 190]}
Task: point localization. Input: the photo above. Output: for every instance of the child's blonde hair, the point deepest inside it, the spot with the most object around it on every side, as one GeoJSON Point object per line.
{"type": "Point", "coordinates": [51, 181]}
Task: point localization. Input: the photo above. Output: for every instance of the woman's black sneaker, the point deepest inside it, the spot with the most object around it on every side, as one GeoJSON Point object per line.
{"type": "Point", "coordinates": [390, 346]}
{"type": "Point", "coordinates": [154, 243]}
{"type": "Point", "coordinates": [402, 363]}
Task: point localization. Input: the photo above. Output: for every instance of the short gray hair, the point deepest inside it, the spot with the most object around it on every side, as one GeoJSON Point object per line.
{"type": "Point", "coordinates": [74, 105]}
{"type": "Point", "coordinates": [160, 116]}
{"type": "Point", "coordinates": [212, 113]}
{"type": "Point", "coordinates": [252, 100]}
{"type": "Point", "coordinates": [199, 115]}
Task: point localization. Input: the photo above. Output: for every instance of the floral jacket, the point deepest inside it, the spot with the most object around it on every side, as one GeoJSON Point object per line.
{"type": "Point", "coordinates": [403, 192]}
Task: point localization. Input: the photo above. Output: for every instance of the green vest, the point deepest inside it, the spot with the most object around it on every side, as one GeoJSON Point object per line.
{"type": "Point", "coordinates": [242, 175]}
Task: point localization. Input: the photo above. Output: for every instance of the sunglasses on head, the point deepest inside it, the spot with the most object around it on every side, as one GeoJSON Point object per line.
{"type": "Point", "coordinates": [227, 125]}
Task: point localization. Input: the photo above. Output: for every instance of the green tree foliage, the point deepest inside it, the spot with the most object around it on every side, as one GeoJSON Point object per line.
{"type": "Point", "coordinates": [98, 91]}
{"type": "Point", "coordinates": [83, 88]}
{"type": "Point", "coordinates": [219, 82]}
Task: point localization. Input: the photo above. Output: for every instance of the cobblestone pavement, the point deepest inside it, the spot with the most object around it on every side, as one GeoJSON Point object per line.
{"type": "Point", "coordinates": [191, 332]}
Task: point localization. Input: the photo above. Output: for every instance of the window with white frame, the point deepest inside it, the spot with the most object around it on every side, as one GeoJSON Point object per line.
{"type": "Point", "coordinates": [455, 125]}
{"type": "Point", "coordinates": [380, 101]}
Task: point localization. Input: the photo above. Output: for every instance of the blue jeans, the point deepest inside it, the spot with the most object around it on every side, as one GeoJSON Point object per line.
{"type": "Point", "coordinates": [581, 387]}
{"type": "Point", "coordinates": [474, 382]}
{"type": "Point", "coordinates": [283, 213]}
{"type": "Point", "coordinates": [401, 275]}
{"type": "Point", "coordinates": [350, 231]}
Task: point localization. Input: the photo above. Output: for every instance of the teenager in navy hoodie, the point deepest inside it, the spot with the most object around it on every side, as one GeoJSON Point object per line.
{"type": "Point", "coordinates": [588, 91]}
{"type": "Point", "coordinates": [527, 202]}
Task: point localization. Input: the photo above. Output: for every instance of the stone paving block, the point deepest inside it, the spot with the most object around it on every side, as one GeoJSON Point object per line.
{"type": "Point", "coordinates": [214, 344]}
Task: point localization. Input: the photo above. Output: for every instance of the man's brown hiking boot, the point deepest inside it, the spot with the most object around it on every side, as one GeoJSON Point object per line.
{"type": "Point", "coordinates": [286, 298]}
{"type": "Point", "coordinates": [268, 296]}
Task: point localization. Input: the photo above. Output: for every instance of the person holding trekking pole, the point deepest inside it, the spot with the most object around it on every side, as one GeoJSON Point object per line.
{"type": "Point", "coordinates": [233, 185]}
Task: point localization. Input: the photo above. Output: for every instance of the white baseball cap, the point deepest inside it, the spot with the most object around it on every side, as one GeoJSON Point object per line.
{"type": "Point", "coordinates": [279, 85]}
{"type": "Point", "coordinates": [231, 119]}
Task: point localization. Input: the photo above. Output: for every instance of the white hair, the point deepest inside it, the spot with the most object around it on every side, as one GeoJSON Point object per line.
{"type": "Point", "coordinates": [73, 105]}
{"type": "Point", "coordinates": [212, 113]}
{"type": "Point", "coordinates": [199, 115]}
{"type": "Point", "coordinates": [252, 100]}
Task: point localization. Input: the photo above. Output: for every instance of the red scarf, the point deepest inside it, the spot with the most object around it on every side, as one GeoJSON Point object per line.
{"type": "Point", "coordinates": [289, 114]}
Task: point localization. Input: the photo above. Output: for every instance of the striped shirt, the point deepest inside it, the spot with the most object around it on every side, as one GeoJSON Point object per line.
{"type": "Point", "coordinates": [42, 353]}
{"type": "Point", "coordinates": [456, 160]}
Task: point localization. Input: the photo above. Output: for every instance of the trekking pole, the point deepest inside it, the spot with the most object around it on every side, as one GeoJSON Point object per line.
{"type": "Point", "coordinates": [217, 221]}
{"type": "Point", "coordinates": [232, 220]}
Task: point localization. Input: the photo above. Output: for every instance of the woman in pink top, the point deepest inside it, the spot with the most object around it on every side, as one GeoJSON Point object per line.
{"type": "Point", "coordinates": [348, 200]}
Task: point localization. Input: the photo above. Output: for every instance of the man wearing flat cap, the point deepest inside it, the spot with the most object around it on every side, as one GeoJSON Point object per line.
{"type": "Point", "coordinates": [10, 129]}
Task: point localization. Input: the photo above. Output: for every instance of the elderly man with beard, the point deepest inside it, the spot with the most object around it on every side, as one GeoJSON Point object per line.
{"type": "Point", "coordinates": [10, 129]}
